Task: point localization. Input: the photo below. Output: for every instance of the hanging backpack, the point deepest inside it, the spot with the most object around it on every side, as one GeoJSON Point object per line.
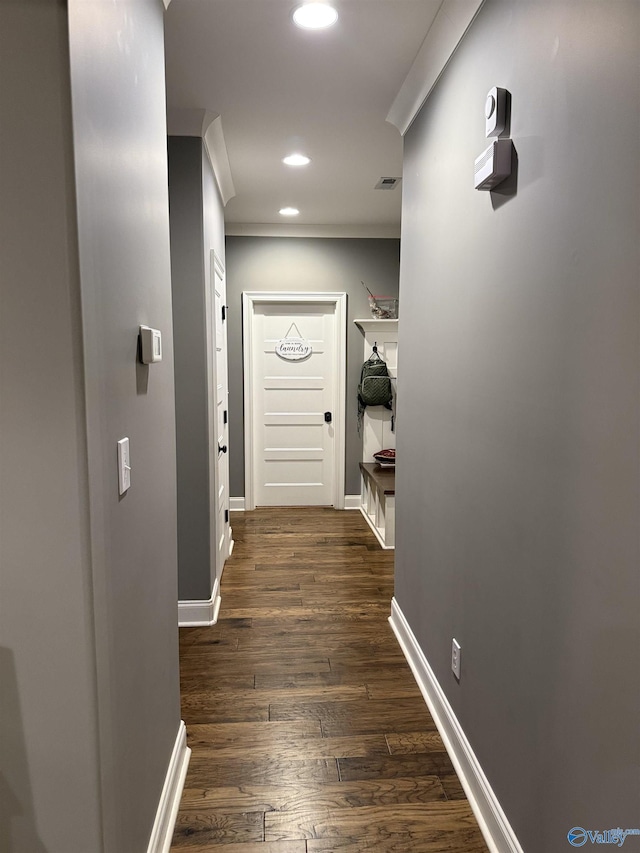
{"type": "Point", "coordinates": [375, 385]}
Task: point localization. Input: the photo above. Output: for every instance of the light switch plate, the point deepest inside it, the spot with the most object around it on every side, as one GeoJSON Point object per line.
{"type": "Point", "coordinates": [151, 345]}
{"type": "Point", "coordinates": [124, 466]}
{"type": "Point", "coordinates": [456, 652]}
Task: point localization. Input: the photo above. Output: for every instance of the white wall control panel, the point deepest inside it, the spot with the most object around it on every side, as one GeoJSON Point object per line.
{"type": "Point", "coordinates": [151, 345]}
{"type": "Point", "coordinates": [124, 466]}
{"type": "Point", "coordinates": [495, 112]}
{"type": "Point", "coordinates": [493, 165]}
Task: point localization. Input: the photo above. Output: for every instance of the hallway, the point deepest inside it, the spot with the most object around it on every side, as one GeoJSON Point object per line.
{"type": "Point", "coordinates": [307, 729]}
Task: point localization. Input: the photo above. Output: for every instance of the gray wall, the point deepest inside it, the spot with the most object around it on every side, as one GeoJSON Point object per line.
{"type": "Point", "coordinates": [117, 80]}
{"type": "Point", "coordinates": [88, 637]}
{"type": "Point", "coordinates": [49, 786]}
{"type": "Point", "coordinates": [517, 480]}
{"type": "Point", "coordinates": [187, 277]}
{"type": "Point", "coordinates": [197, 226]}
{"type": "Point", "coordinates": [306, 264]}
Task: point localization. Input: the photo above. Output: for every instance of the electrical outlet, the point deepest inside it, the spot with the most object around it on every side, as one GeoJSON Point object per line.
{"type": "Point", "coordinates": [456, 653]}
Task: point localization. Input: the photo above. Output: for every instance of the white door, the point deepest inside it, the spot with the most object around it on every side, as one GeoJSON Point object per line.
{"type": "Point", "coordinates": [221, 531]}
{"type": "Point", "coordinates": [296, 446]}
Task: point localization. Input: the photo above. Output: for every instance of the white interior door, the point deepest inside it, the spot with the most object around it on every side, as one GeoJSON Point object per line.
{"type": "Point", "coordinates": [220, 394]}
{"type": "Point", "coordinates": [296, 447]}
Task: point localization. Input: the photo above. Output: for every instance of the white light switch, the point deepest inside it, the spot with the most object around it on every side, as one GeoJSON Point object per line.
{"type": "Point", "coordinates": [124, 466]}
{"type": "Point", "coordinates": [151, 340]}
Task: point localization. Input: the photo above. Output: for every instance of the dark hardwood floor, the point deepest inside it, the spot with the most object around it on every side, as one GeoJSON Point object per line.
{"type": "Point", "coordinates": [307, 729]}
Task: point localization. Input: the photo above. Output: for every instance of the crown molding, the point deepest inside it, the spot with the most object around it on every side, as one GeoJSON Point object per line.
{"type": "Point", "coordinates": [208, 126]}
{"type": "Point", "coordinates": [445, 34]}
{"type": "Point", "coordinates": [275, 229]}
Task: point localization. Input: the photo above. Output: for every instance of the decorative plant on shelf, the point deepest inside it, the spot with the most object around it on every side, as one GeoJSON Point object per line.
{"type": "Point", "coordinates": [382, 307]}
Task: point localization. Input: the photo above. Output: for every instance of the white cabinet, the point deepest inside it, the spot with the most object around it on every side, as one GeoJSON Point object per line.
{"type": "Point", "coordinates": [378, 503]}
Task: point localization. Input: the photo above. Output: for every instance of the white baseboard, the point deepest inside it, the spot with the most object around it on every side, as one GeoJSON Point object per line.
{"type": "Point", "coordinates": [165, 821]}
{"type": "Point", "coordinates": [493, 822]}
{"type": "Point", "coordinates": [352, 501]}
{"type": "Point", "coordinates": [195, 614]}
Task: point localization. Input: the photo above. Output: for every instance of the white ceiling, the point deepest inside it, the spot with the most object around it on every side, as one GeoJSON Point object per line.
{"type": "Point", "coordinates": [280, 89]}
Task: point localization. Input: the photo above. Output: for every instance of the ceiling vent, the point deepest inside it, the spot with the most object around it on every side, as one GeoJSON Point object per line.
{"type": "Point", "coordinates": [387, 183]}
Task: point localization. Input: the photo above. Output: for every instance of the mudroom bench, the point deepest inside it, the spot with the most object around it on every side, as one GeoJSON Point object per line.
{"type": "Point", "coordinates": [379, 501]}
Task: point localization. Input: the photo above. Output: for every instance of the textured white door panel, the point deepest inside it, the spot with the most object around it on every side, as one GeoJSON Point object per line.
{"type": "Point", "coordinates": [293, 447]}
{"type": "Point", "coordinates": [220, 393]}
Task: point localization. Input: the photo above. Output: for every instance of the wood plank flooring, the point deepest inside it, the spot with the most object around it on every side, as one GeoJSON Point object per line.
{"type": "Point", "coordinates": [308, 732]}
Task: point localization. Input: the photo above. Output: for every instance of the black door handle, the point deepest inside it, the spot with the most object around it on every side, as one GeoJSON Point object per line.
{"type": "Point", "coordinates": [327, 417]}
{"type": "Point", "coordinates": [222, 449]}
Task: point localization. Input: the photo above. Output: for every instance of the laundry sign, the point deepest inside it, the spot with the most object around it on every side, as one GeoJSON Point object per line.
{"type": "Point", "coordinates": [293, 348]}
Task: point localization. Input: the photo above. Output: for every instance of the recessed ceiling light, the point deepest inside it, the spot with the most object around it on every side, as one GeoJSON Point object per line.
{"type": "Point", "coordinates": [288, 211]}
{"type": "Point", "coordinates": [296, 160]}
{"type": "Point", "coordinates": [315, 16]}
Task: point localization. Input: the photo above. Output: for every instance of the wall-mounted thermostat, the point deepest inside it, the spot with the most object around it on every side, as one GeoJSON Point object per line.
{"type": "Point", "coordinates": [493, 165]}
{"type": "Point", "coordinates": [151, 345]}
{"type": "Point", "coordinates": [495, 112]}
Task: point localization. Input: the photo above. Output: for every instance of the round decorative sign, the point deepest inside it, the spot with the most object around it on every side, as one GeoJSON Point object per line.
{"type": "Point", "coordinates": [293, 349]}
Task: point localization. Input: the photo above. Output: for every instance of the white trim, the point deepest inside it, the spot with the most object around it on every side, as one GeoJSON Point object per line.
{"type": "Point", "coordinates": [445, 34]}
{"type": "Point", "coordinates": [339, 300]}
{"type": "Point", "coordinates": [493, 822]}
{"type": "Point", "coordinates": [208, 126]}
{"type": "Point", "coordinates": [164, 823]}
{"type": "Point", "coordinates": [376, 532]}
{"type": "Point", "coordinates": [277, 229]}
{"type": "Point", "coordinates": [352, 501]}
{"type": "Point", "coordinates": [236, 504]}
{"type": "Point", "coordinates": [216, 148]}
{"type": "Point", "coordinates": [195, 613]}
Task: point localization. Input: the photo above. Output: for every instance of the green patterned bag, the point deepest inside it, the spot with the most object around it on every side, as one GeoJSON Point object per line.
{"type": "Point", "coordinates": [375, 385]}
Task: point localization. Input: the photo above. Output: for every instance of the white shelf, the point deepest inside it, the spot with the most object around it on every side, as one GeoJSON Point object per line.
{"type": "Point", "coordinates": [370, 325]}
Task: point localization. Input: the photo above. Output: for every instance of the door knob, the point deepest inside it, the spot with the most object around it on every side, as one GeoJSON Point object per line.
{"type": "Point", "coordinates": [222, 448]}
{"type": "Point", "coordinates": [327, 417]}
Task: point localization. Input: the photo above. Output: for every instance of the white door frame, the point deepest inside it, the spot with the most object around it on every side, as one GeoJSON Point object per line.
{"type": "Point", "coordinates": [339, 301]}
